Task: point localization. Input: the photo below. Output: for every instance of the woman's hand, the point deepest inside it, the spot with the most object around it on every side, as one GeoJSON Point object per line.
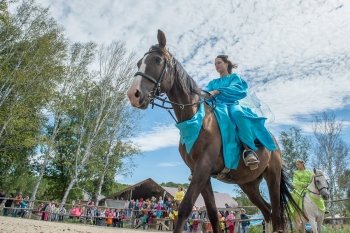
{"type": "Point", "coordinates": [215, 92]}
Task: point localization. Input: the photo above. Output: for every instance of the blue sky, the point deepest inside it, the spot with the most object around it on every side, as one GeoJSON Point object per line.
{"type": "Point", "coordinates": [294, 54]}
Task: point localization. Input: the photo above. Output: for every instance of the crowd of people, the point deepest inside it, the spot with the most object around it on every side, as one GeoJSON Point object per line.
{"type": "Point", "coordinates": [137, 213]}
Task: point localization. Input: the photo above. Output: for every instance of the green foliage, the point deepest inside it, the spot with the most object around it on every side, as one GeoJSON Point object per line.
{"type": "Point", "coordinates": [31, 55]}
{"type": "Point", "coordinates": [174, 185]}
{"type": "Point", "coordinates": [58, 118]}
{"type": "Point", "coordinates": [294, 146]}
{"type": "Point", "coordinates": [242, 199]}
{"type": "Point", "coordinates": [330, 229]}
{"type": "Point", "coordinates": [256, 229]}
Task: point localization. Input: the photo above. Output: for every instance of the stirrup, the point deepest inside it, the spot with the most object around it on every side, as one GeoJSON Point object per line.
{"type": "Point", "coordinates": [251, 164]}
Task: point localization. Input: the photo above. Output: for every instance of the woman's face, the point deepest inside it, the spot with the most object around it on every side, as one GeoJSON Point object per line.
{"type": "Point", "coordinates": [220, 65]}
{"type": "Point", "coordinates": [299, 165]}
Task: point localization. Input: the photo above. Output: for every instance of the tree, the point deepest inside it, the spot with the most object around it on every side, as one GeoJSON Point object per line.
{"type": "Point", "coordinates": [242, 199]}
{"type": "Point", "coordinates": [98, 106]}
{"type": "Point", "coordinates": [344, 185]}
{"type": "Point", "coordinates": [31, 51]}
{"type": "Point", "coordinates": [294, 146]}
{"type": "Point", "coordinates": [175, 185]}
{"type": "Point", "coordinates": [77, 66]}
{"type": "Point", "coordinates": [331, 152]}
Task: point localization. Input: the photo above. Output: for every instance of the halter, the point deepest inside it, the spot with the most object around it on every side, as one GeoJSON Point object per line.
{"type": "Point", "coordinates": [156, 93]}
{"type": "Point", "coordinates": [319, 189]}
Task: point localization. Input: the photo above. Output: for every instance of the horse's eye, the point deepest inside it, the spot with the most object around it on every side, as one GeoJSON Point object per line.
{"type": "Point", "coordinates": [158, 60]}
{"type": "Point", "coordinates": [317, 181]}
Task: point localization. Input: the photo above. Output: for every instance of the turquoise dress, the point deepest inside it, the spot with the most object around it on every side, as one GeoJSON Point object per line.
{"type": "Point", "coordinates": [249, 126]}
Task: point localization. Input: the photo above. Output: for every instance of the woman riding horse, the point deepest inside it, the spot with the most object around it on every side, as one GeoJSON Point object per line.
{"type": "Point", "coordinates": [160, 73]}
{"type": "Point", "coordinates": [228, 89]}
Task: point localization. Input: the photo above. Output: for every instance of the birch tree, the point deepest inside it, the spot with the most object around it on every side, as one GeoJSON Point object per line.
{"type": "Point", "coordinates": [77, 67]}
{"type": "Point", "coordinates": [98, 104]}
{"type": "Point", "coordinates": [331, 152]}
{"type": "Point", "coordinates": [31, 51]}
{"type": "Point", "coordinates": [294, 146]}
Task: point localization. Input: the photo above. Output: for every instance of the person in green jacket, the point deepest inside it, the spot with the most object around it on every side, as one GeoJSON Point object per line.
{"type": "Point", "coordinates": [301, 177]}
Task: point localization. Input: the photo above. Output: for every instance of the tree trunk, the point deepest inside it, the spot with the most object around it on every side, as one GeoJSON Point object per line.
{"type": "Point", "coordinates": [70, 186]}
{"type": "Point", "coordinates": [40, 177]}
{"type": "Point", "coordinates": [99, 189]}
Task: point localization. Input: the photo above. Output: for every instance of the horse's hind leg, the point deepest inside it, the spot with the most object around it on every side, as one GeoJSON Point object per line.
{"type": "Point", "coordinates": [253, 193]}
{"type": "Point", "coordinates": [212, 211]}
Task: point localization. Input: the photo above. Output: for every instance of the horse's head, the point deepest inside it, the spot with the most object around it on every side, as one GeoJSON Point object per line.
{"type": "Point", "coordinates": [152, 77]}
{"type": "Point", "coordinates": [321, 184]}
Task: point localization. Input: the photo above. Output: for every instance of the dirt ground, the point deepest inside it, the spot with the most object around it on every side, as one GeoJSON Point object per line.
{"type": "Point", "coordinates": [21, 225]}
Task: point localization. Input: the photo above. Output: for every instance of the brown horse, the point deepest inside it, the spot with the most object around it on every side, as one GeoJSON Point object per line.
{"type": "Point", "coordinates": [159, 72]}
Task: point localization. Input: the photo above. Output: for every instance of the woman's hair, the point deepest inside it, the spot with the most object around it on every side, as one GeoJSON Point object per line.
{"type": "Point", "coordinates": [300, 161]}
{"type": "Point", "coordinates": [231, 65]}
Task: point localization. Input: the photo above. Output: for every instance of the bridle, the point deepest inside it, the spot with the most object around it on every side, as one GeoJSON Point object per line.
{"type": "Point", "coordinates": [315, 183]}
{"type": "Point", "coordinates": [157, 82]}
{"type": "Point", "coordinates": [158, 94]}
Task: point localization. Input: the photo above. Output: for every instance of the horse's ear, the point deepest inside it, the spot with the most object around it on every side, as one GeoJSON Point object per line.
{"type": "Point", "coordinates": [315, 170]}
{"type": "Point", "coordinates": [161, 38]}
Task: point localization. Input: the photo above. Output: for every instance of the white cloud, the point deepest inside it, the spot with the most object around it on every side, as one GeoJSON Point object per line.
{"type": "Point", "coordinates": [312, 94]}
{"type": "Point", "coordinates": [295, 54]}
{"type": "Point", "coordinates": [158, 138]}
{"type": "Point", "coordinates": [169, 164]}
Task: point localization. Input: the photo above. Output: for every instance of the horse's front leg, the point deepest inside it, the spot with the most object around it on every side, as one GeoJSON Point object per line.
{"type": "Point", "coordinates": [319, 222]}
{"type": "Point", "coordinates": [212, 211]}
{"type": "Point", "coordinates": [199, 179]}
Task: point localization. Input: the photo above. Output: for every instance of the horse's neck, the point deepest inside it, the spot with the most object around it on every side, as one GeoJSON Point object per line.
{"type": "Point", "coordinates": [186, 113]}
{"type": "Point", "coordinates": [311, 187]}
{"type": "Point", "coordinates": [180, 95]}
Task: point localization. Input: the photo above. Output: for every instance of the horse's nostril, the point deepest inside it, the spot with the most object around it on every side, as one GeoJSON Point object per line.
{"type": "Point", "coordinates": [137, 94]}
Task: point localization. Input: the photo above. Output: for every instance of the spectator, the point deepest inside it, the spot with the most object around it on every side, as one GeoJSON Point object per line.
{"type": "Point", "coordinates": [230, 222]}
{"type": "Point", "coordinates": [8, 204]}
{"type": "Point", "coordinates": [47, 212]}
{"type": "Point", "coordinates": [54, 212]}
{"type": "Point", "coordinates": [167, 204]}
{"type": "Point", "coordinates": [222, 222]}
{"type": "Point", "coordinates": [62, 213]}
{"type": "Point", "coordinates": [109, 217]}
{"type": "Point", "coordinates": [179, 195]}
{"type": "Point", "coordinates": [173, 216]}
{"type": "Point", "coordinates": [245, 224]}
{"type": "Point", "coordinates": [2, 197]}
{"type": "Point", "coordinates": [17, 204]}
{"type": "Point", "coordinates": [75, 212]}
{"type": "Point", "coordinates": [131, 207]}
{"type": "Point", "coordinates": [24, 205]}
{"type": "Point", "coordinates": [159, 208]}
{"type": "Point", "coordinates": [120, 218]}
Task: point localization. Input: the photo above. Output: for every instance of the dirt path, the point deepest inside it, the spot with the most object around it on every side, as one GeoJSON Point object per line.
{"type": "Point", "coordinates": [19, 225]}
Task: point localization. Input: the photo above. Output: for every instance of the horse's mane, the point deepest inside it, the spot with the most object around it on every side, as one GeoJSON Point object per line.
{"type": "Point", "coordinates": [183, 79]}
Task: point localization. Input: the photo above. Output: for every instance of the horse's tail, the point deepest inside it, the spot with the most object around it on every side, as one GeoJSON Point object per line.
{"type": "Point", "coordinates": [288, 204]}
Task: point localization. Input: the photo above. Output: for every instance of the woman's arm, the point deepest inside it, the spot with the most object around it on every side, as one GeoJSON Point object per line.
{"type": "Point", "coordinates": [235, 90]}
